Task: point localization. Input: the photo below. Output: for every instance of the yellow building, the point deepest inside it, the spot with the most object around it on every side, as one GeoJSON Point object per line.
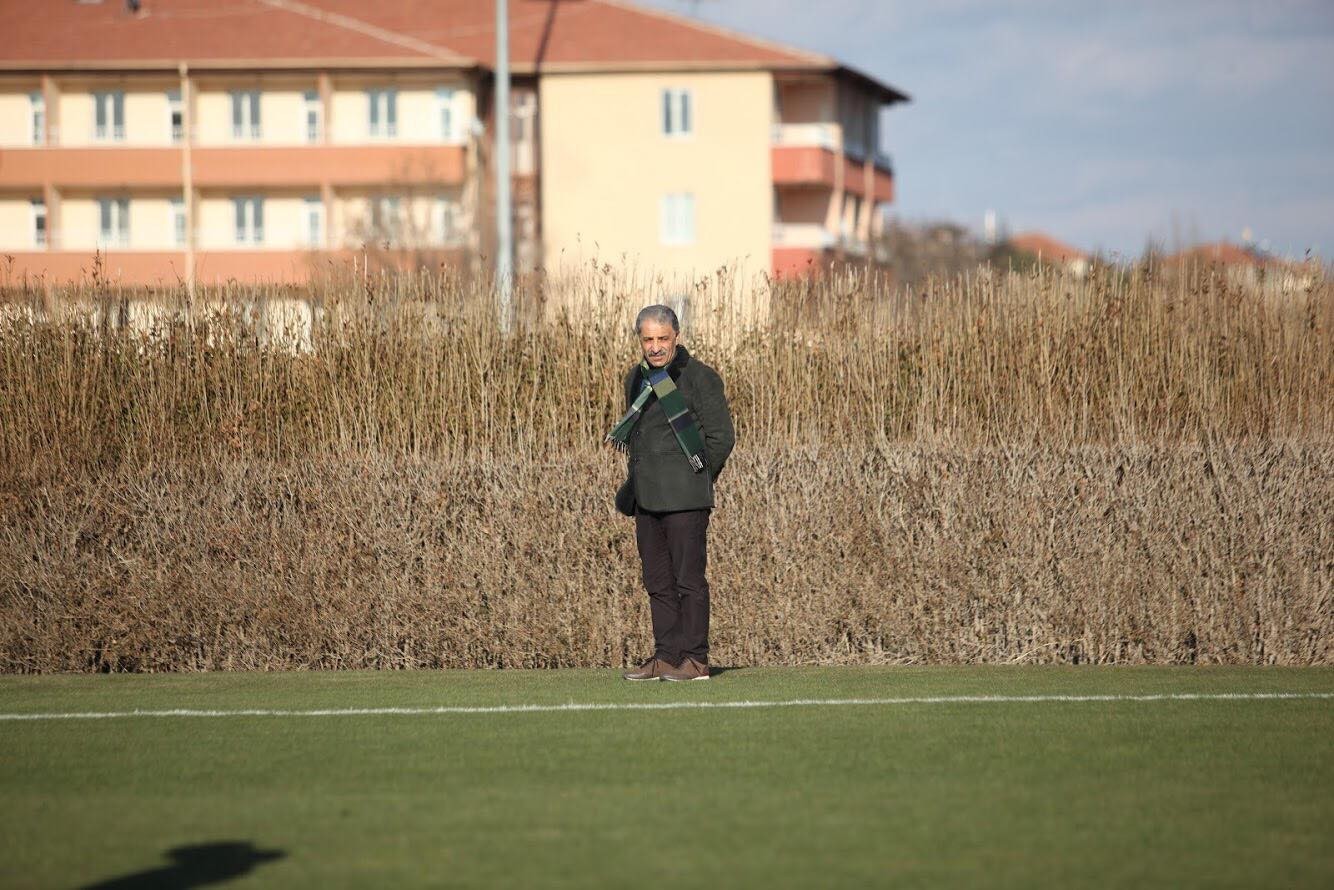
{"type": "Point", "coordinates": [191, 139]}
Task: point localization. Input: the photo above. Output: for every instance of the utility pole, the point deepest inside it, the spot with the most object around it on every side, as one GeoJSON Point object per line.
{"type": "Point", "coordinates": [504, 214]}
{"type": "Point", "coordinates": [187, 181]}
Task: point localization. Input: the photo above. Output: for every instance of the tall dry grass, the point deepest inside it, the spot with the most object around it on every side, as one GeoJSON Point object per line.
{"type": "Point", "coordinates": [417, 366]}
{"type": "Point", "coordinates": [1004, 467]}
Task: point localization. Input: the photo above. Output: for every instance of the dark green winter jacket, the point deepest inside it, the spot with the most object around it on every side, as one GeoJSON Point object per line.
{"type": "Point", "coordinates": [659, 471]}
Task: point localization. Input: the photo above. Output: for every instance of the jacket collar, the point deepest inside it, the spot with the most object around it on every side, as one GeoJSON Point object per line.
{"type": "Point", "coordinates": [677, 364]}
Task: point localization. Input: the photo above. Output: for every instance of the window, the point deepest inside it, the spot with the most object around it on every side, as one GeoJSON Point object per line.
{"type": "Point", "coordinates": [245, 114]}
{"type": "Point", "coordinates": [676, 113]}
{"type": "Point", "coordinates": [444, 221]}
{"type": "Point", "coordinates": [314, 112]}
{"type": "Point", "coordinates": [444, 113]}
{"type": "Point", "coordinates": [178, 221]}
{"type": "Point", "coordinates": [38, 103]}
{"type": "Point", "coordinates": [314, 215]}
{"type": "Point", "coordinates": [385, 217]}
{"type": "Point", "coordinates": [114, 221]}
{"type": "Point", "coordinates": [38, 222]}
{"type": "Point", "coordinates": [678, 219]}
{"type": "Point", "coordinates": [856, 113]}
{"type": "Point", "coordinates": [109, 116]}
{"type": "Point", "coordinates": [249, 219]}
{"type": "Point", "coordinates": [382, 113]}
{"type": "Point", "coordinates": [175, 116]}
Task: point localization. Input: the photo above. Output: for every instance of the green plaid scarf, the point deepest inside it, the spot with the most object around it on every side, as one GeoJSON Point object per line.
{"type": "Point", "coordinates": [658, 381]}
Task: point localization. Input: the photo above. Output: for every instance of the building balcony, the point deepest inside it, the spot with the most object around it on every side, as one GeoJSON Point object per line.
{"type": "Point", "coordinates": [811, 236]}
{"type": "Point", "coordinates": [337, 165]}
{"type": "Point", "coordinates": [167, 267]}
{"type": "Point", "coordinates": [120, 167]}
{"type": "Point", "coordinates": [809, 135]}
{"type": "Point", "coordinates": [813, 165]}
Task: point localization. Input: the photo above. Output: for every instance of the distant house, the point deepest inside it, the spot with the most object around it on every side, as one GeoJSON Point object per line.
{"type": "Point", "coordinates": [1247, 266]}
{"type": "Point", "coordinates": [1046, 249]}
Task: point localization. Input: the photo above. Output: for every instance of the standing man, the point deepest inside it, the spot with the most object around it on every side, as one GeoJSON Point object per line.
{"type": "Point", "coordinates": [678, 432]}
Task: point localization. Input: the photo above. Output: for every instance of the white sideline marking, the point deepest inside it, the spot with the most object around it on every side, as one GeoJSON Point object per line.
{"type": "Point", "coordinates": [673, 706]}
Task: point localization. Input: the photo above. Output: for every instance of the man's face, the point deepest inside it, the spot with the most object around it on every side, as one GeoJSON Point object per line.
{"type": "Point", "coordinates": [658, 341]}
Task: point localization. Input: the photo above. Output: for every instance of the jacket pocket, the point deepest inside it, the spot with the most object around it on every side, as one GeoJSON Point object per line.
{"type": "Point", "coordinates": [665, 481]}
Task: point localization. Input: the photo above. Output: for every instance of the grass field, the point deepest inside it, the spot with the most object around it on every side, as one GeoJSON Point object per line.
{"type": "Point", "coordinates": [923, 786]}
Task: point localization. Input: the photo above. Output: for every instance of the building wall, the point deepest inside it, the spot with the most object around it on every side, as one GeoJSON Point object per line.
{"type": "Point", "coordinates": [352, 216]}
{"type": "Point", "coordinates": [807, 101]}
{"type": "Point", "coordinates": [151, 222]}
{"type": "Point", "coordinates": [79, 222]}
{"type": "Point", "coordinates": [16, 228]}
{"type": "Point", "coordinates": [151, 225]}
{"type": "Point", "coordinates": [147, 120]}
{"type": "Point", "coordinates": [803, 205]}
{"type": "Point", "coordinates": [284, 222]}
{"type": "Point", "coordinates": [16, 114]}
{"type": "Point", "coordinates": [418, 118]}
{"type": "Point", "coordinates": [606, 165]}
{"type": "Point", "coordinates": [282, 111]}
{"type": "Point", "coordinates": [76, 119]}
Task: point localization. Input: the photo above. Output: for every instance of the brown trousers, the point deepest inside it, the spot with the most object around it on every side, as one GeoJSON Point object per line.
{"type": "Point", "coordinates": [673, 550]}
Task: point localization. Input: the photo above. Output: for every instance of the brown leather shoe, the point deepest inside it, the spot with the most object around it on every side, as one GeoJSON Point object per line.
{"type": "Point", "coordinates": [652, 669]}
{"type": "Point", "coordinates": [690, 669]}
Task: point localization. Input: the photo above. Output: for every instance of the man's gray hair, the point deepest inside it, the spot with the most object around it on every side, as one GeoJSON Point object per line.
{"type": "Point", "coordinates": [659, 313]}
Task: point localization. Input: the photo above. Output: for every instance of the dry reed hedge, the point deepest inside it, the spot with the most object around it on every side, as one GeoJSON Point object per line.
{"type": "Point", "coordinates": [425, 371]}
{"type": "Point", "coordinates": [903, 554]}
{"type": "Point", "coordinates": [1122, 469]}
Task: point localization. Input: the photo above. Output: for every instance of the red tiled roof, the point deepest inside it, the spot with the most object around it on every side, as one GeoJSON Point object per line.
{"type": "Point", "coordinates": [1218, 252]}
{"type": "Point", "coordinates": [573, 32]}
{"type": "Point", "coordinates": [61, 33]}
{"type": "Point", "coordinates": [544, 35]}
{"type": "Point", "coordinates": [1046, 247]}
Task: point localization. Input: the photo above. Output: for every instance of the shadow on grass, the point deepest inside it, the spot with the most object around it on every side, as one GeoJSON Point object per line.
{"type": "Point", "coordinates": [195, 866]}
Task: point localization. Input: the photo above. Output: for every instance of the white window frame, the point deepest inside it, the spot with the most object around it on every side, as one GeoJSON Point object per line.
{"type": "Point", "coordinates": [37, 117]}
{"type": "Point", "coordinates": [247, 115]}
{"type": "Point", "coordinates": [175, 110]}
{"type": "Point", "coordinates": [41, 223]}
{"type": "Point", "coordinates": [314, 222]}
{"type": "Point", "coordinates": [109, 105]}
{"type": "Point", "coordinates": [445, 116]}
{"type": "Point", "coordinates": [113, 222]}
{"type": "Point", "coordinates": [676, 219]}
{"type": "Point", "coordinates": [445, 221]}
{"type": "Point", "coordinates": [179, 232]}
{"type": "Point", "coordinates": [677, 109]}
{"type": "Point", "coordinates": [382, 112]}
{"type": "Point", "coordinates": [248, 219]}
{"type": "Point", "coordinates": [314, 116]}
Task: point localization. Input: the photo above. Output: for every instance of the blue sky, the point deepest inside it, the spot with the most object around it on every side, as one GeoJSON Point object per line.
{"type": "Point", "coordinates": [1104, 124]}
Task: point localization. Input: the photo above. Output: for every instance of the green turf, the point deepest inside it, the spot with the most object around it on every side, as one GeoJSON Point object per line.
{"type": "Point", "coordinates": [1182, 793]}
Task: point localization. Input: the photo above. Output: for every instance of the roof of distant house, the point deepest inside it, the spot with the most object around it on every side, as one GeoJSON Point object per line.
{"type": "Point", "coordinates": [544, 35]}
{"type": "Point", "coordinates": [1222, 252]}
{"type": "Point", "coordinates": [1046, 247]}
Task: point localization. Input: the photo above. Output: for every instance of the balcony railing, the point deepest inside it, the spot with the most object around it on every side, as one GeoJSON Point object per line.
{"type": "Point", "coordinates": [805, 235]}
{"type": "Point", "coordinates": [814, 135]}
